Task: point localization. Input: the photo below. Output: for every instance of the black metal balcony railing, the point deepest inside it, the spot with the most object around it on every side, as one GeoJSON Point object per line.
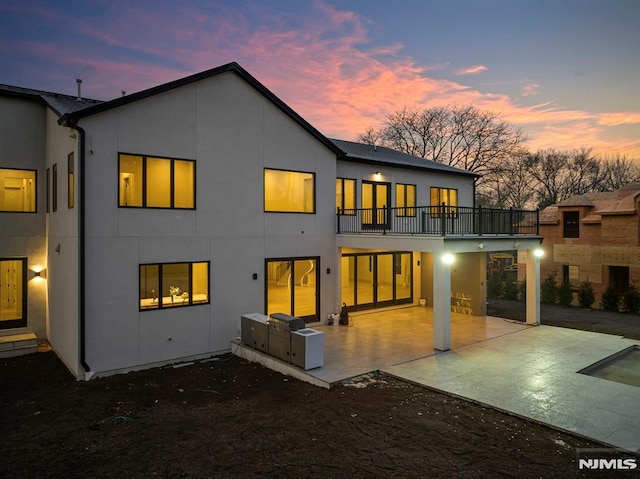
{"type": "Point", "coordinates": [438, 220]}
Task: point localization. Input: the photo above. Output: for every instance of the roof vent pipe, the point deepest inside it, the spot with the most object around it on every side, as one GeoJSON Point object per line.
{"type": "Point", "coordinates": [79, 82]}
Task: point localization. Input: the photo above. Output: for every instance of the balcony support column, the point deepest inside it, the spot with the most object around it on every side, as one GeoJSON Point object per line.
{"type": "Point", "coordinates": [533, 289]}
{"type": "Point", "coordinates": [441, 304]}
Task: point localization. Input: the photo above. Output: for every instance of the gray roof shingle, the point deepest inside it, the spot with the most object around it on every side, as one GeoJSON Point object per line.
{"type": "Point", "coordinates": [380, 155]}
{"type": "Point", "coordinates": [61, 104]}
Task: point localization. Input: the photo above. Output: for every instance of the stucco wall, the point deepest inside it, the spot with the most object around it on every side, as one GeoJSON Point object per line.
{"type": "Point", "coordinates": [62, 250]}
{"type": "Point", "coordinates": [22, 146]}
{"type": "Point", "coordinates": [232, 133]}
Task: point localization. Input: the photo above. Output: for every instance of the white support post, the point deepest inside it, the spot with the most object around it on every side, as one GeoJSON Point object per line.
{"type": "Point", "coordinates": [533, 289]}
{"type": "Point", "coordinates": [441, 304]}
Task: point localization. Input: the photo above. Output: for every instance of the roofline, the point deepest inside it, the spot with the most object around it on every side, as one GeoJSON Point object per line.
{"type": "Point", "coordinates": [346, 157]}
{"type": "Point", "coordinates": [229, 67]}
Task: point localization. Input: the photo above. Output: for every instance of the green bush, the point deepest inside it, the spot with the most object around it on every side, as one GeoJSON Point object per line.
{"type": "Point", "coordinates": [611, 298]}
{"type": "Point", "coordinates": [565, 294]}
{"type": "Point", "coordinates": [549, 290]}
{"type": "Point", "coordinates": [631, 299]}
{"type": "Point", "coordinates": [494, 286]}
{"type": "Point", "coordinates": [510, 291]}
{"type": "Point", "coordinates": [586, 295]}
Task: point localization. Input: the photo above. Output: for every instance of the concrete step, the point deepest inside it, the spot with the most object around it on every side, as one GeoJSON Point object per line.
{"type": "Point", "coordinates": [18, 345]}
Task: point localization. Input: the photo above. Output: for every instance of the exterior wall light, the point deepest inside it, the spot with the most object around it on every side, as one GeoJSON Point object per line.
{"type": "Point", "coordinates": [538, 252]}
{"type": "Point", "coordinates": [448, 258]}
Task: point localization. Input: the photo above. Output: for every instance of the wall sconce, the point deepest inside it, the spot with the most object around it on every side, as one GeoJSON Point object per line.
{"type": "Point", "coordinates": [255, 275]}
{"type": "Point", "coordinates": [377, 174]}
{"type": "Point", "coordinates": [448, 258]}
{"type": "Point", "coordinates": [39, 272]}
{"type": "Point", "coordinates": [481, 245]}
{"type": "Point", "coordinates": [538, 252]}
{"type": "Point", "coordinates": [328, 270]}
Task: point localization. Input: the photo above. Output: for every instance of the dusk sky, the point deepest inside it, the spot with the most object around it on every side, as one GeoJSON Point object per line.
{"type": "Point", "coordinates": [567, 72]}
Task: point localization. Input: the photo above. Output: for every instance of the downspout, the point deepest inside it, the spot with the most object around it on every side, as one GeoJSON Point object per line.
{"type": "Point", "coordinates": [81, 248]}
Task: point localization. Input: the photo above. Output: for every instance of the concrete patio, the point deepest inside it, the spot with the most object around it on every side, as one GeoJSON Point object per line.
{"type": "Point", "coordinates": [528, 371]}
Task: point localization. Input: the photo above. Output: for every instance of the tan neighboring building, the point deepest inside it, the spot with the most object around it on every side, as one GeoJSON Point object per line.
{"type": "Point", "coordinates": [593, 237]}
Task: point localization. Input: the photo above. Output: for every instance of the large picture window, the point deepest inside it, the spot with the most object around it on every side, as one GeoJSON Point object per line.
{"type": "Point", "coordinates": [446, 196]}
{"type": "Point", "coordinates": [289, 191]}
{"type": "Point", "coordinates": [168, 285]}
{"type": "Point", "coordinates": [18, 190]}
{"type": "Point", "coordinates": [405, 200]}
{"type": "Point", "coordinates": [346, 196]}
{"type": "Point", "coordinates": [151, 182]}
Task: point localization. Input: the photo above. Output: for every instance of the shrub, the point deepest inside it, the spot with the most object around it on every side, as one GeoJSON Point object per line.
{"type": "Point", "coordinates": [611, 298]}
{"type": "Point", "coordinates": [549, 290]}
{"type": "Point", "coordinates": [510, 291]}
{"type": "Point", "coordinates": [586, 295]}
{"type": "Point", "coordinates": [565, 294]}
{"type": "Point", "coordinates": [631, 299]}
{"type": "Point", "coordinates": [494, 286]}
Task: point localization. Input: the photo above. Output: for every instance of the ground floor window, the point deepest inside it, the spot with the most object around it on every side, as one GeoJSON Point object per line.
{"type": "Point", "coordinates": [619, 275]}
{"type": "Point", "coordinates": [373, 280]}
{"type": "Point", "coordinates": [13, 293]}
{"type": "Point", "coordinates": [168, 285]}
{"type": "Point", "coordinates": [293, 287]}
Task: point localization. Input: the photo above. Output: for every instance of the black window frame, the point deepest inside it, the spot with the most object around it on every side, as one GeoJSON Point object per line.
{"type": "Point", "coordinates": [70, 180]}
{"type": "Point", "coordinates": [264, 191]}
{"type": "Point", "coordinates": [343, 210]}
{"type": "Point", "coordinates": [406, 211]}
{"type": "Point", "coordinates": [35, 190]}
{"type": "Point", "coordinates": [54, 188]}
{"type": "Point", "coordinates": [171, 180]}
{"type": "Point", "coordinates": [159, 305]}
{"type": "Point", "coordinates": [48, 190]}
{"type": "Point", "coordinates": [451, 211]}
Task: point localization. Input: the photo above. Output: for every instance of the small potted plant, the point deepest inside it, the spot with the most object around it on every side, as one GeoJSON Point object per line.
{"type": "Point", "coordinates": [174, 291]}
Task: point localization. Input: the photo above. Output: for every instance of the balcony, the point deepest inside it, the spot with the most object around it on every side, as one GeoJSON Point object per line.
{"type": "Point", "coordinates": [438, 221]}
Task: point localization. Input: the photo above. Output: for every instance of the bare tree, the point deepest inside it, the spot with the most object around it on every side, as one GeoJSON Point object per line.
{"type": "Point", "coordinates": [460, 136]}
{"type": "Point", "coordinates": [620, 171]}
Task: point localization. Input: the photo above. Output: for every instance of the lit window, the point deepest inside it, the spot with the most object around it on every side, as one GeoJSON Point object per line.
{"type": "Point", "coordinates": [151, 182]}
{"type": "Point", "coordinates": [18, 190]}
{"type": "Point", "coordinates": [346, 196]}
{"type": "Point", "coordinates": [444, 196]}
{"type": "Point", "coordinates": [289, 191]}
{"type": "Point", "coordinates": [405, 200]}
{"type": "Point", "coordinates": [169, 285]}
{"type": "Point", "coordinates": [70, 168]}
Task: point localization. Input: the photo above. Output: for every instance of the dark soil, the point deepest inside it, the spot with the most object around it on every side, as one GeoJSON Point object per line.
{"type": "Point", "coordinates": [232, 418]}
{"type": "Point", "coordinates": [608, 322]}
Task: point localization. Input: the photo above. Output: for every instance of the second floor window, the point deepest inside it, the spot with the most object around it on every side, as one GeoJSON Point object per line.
{"type": "Point", "coordinates": [444, 196]}
{"type": "Point", "coordinates": [405, 200]}
{"type": "Point", "coordinates": [152, 182]}
{"type": "Point", "coordinates": [18, 190]}
{"type": "Point", "coordinates": [571, 224]}
{"type": "Point", "coordinates": [346, 196]}
{"type": "Point", "coordinates": [289, 191]}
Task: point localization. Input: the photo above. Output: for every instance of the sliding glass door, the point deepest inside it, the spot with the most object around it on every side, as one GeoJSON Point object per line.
{"type": "Point", "coordinates": [293, 287]}
{"type": "Point", "coordinates": [374, 280]}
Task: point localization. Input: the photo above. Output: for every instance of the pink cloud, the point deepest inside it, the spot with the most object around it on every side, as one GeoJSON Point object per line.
{"type": "Point", "coordinates": [322, 63]}
{"type": "Point", "coordinates": [473, 70]}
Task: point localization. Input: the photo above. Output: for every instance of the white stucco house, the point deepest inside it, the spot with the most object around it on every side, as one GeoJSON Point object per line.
{"type": "Point", "coordinates": [136, 232]}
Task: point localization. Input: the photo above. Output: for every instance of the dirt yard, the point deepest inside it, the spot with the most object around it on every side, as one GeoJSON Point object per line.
{"type": "Point", "coordinates": [231, 418]}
